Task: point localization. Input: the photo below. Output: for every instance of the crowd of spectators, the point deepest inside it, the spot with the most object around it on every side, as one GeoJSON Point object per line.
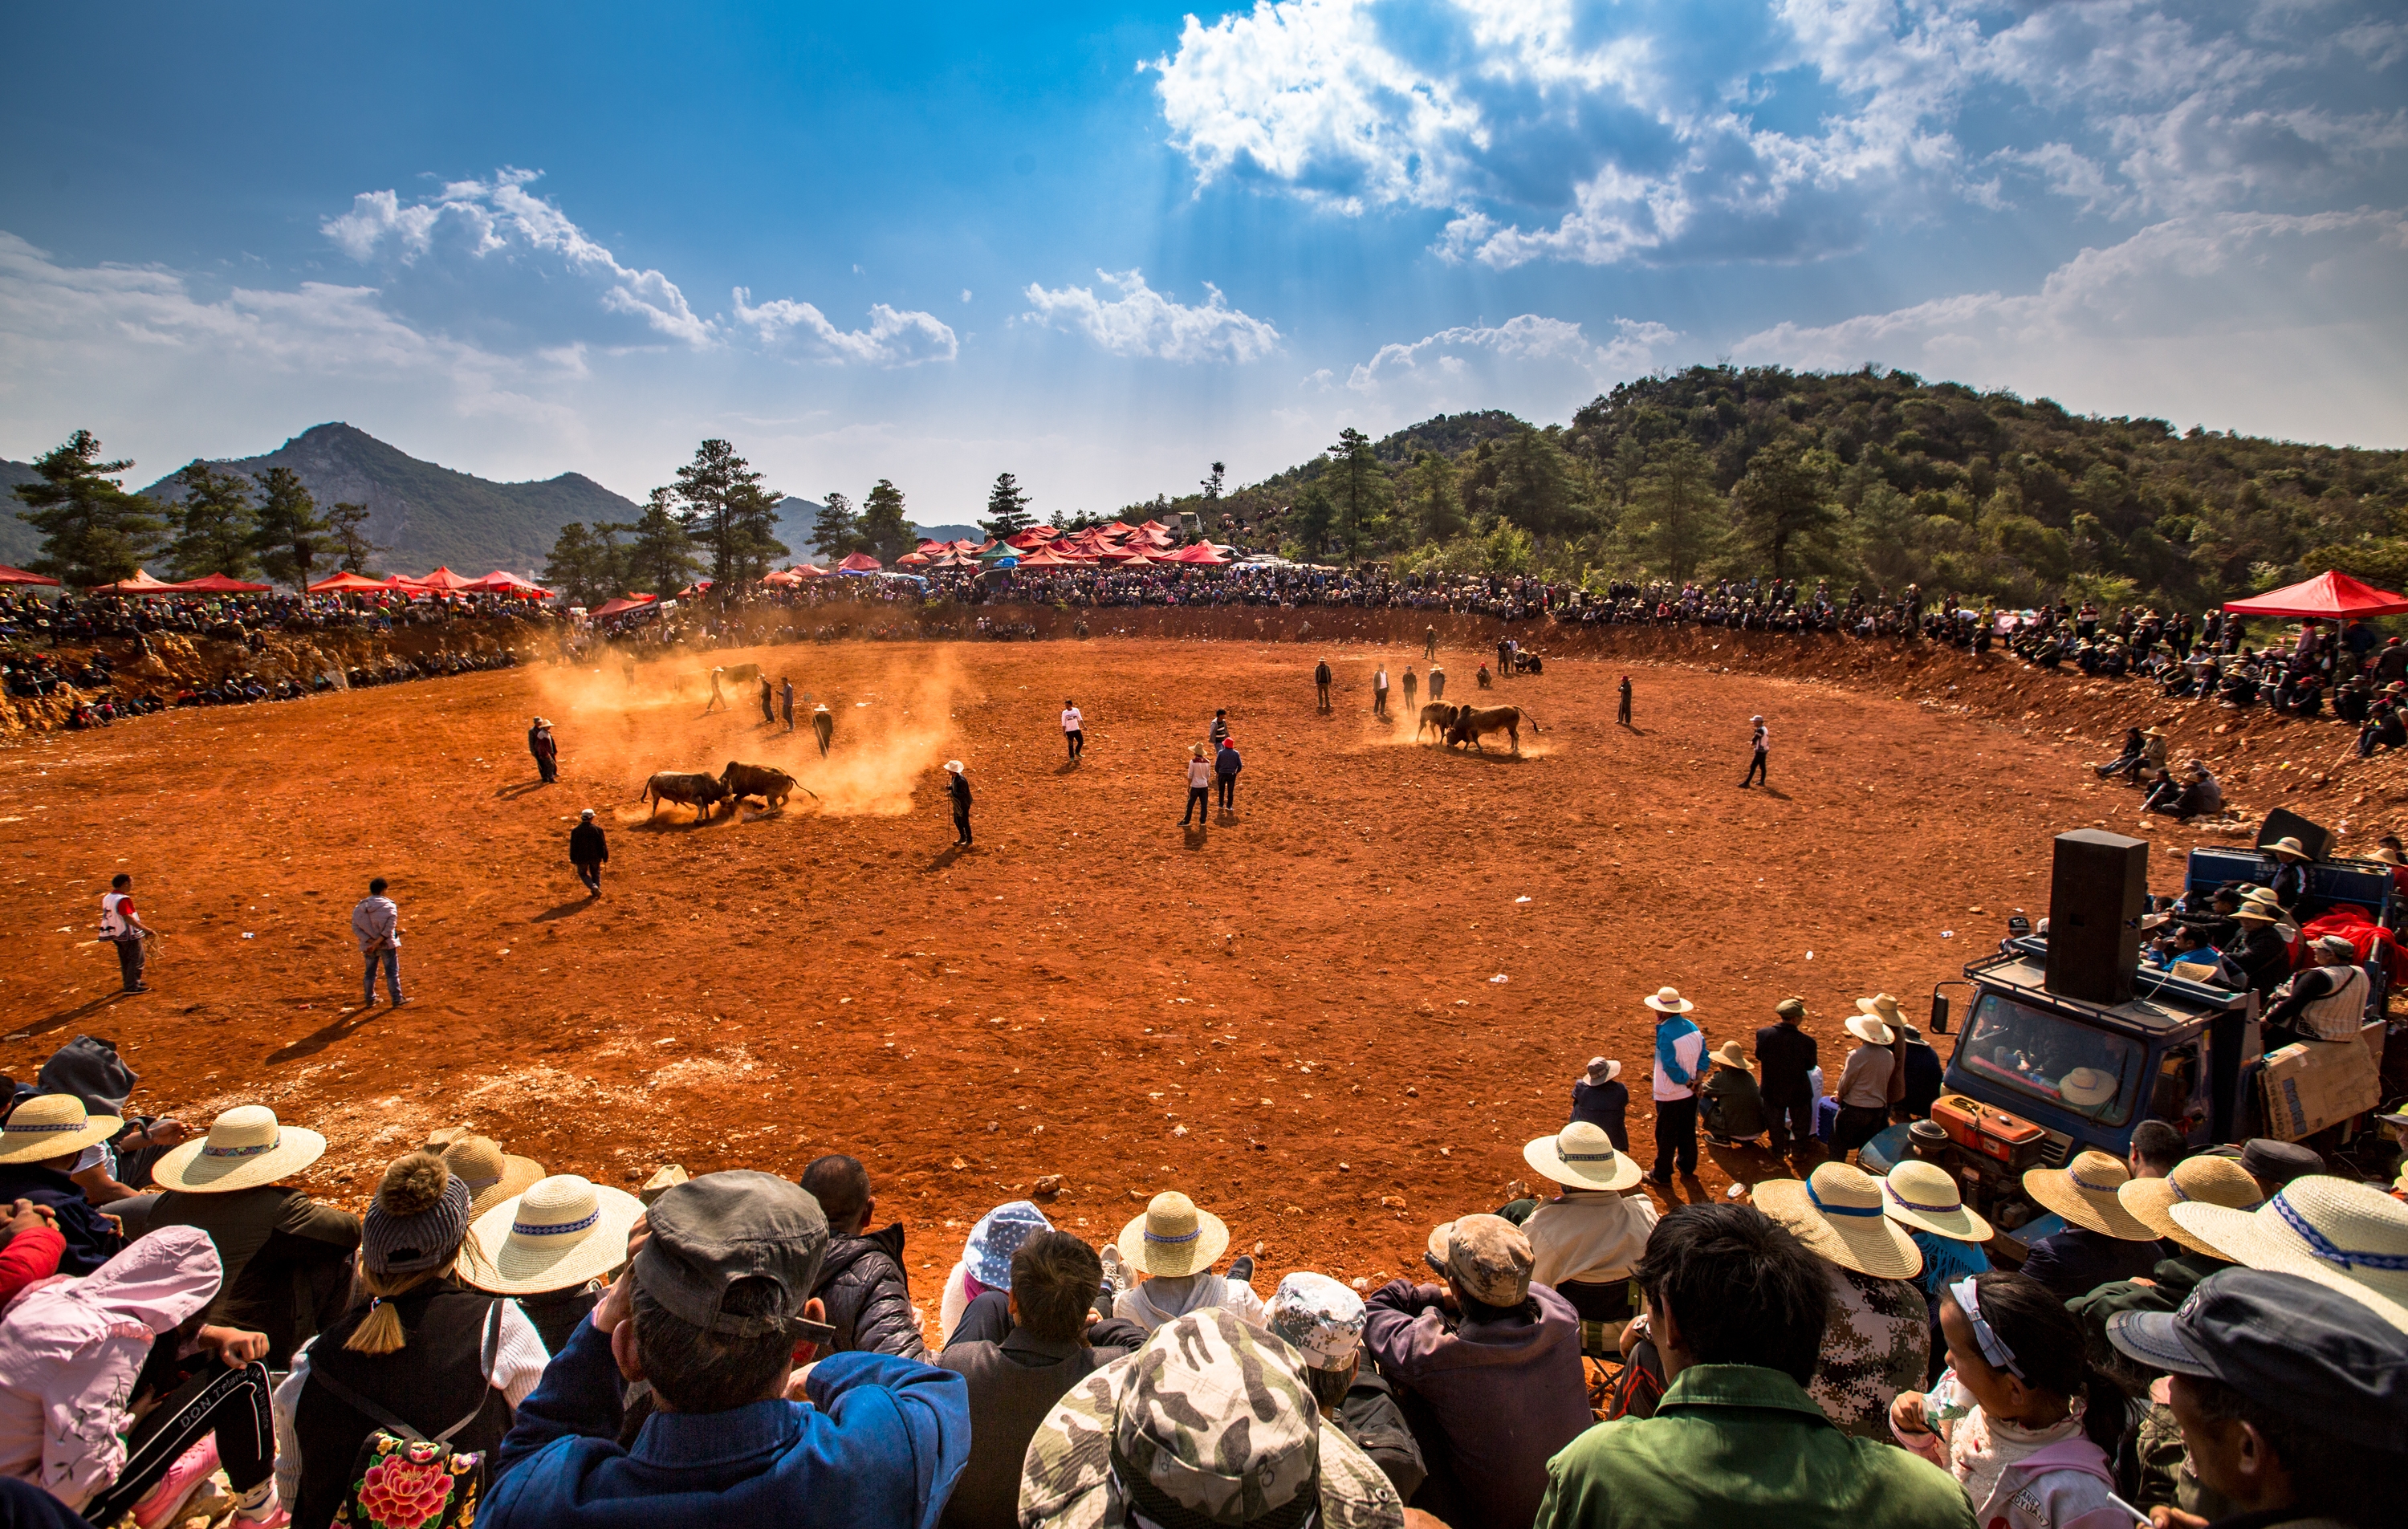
{"type": "Point", "coordinates": [2218, 1336]}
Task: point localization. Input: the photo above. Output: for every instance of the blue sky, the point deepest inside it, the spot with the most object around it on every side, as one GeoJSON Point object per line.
{"type": "Point", "coordinates": [1100, 246]}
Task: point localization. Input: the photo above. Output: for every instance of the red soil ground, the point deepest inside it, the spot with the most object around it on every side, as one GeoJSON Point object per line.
{"type": "Point", "coordinates": [1334, 1019]}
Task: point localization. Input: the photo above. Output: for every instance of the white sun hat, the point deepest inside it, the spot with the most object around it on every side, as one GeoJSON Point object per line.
{"type": "Point", "coordinates": [1837, 1213]}
{"type": "Point", "coordinates": [2344, 1236]}
{"type": "Point", "coordinates": [1582, 1156]}
{"type": "Point", "coordinates": [1668, 1001]}
{"type": "Point", "coordinates": [246, 1147]}
{"type": "Point", "coordinates": [564, 1231]}
{"type": "Point", "coordinates": [1924, 1197]}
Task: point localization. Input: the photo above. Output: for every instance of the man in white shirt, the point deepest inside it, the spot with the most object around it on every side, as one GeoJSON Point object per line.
{"type": "Point", "coordinates": [375, 922]}
{"type": "Point", "coordinates": [1380, 692]}
{"type": "Point", "coordinates": [1074, 735]}
{"type": "Point", "coordinates": [123, 928]}
{"type": "Point", "coordinates": [1759, 740]}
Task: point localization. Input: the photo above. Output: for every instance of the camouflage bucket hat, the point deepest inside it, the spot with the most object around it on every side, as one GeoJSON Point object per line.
{"type": "Point", "coordinates": [1210, 1422]}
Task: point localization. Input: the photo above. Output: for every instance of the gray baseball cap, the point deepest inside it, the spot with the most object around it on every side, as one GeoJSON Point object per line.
{"type": "Point", "coordinates": [710, 1232]}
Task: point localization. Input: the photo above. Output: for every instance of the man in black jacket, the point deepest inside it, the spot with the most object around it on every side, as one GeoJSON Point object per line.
{"type": "Point", "coordinates": [1787, 1053]}
{"type": "Point", "coordinates": [588, 851]}
{"type": "Point", "coordinates": [957, 787]}
{"type": "Point", "coordinates": [861, 1282]}
{"type": "Point", "coordinates": [1022, 1350]}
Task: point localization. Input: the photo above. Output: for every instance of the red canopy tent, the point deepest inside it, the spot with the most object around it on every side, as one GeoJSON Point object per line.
{"type": "Point", "coordinates": [695, 588]}
{"type": "Point", "coordinates": [347, 582]}
{"type": "Point", "coordinates": [1044, 557]}
{"type": "Point", "coordinates": [444, 580]}
{"type": "Point", "coordinates": [807, 570]}
{"type": "Point", "coordinates": [918, 559]}
{"type": "Point", "coordinates": [2332, 596]}
{"type": "Point", "coordinates": [217, 583]}
{"type": "Point", "coordinates": [402, 584]}
{"type": "Point", "coordinates": [141, 583]}
{"type": "Point", "coordinates": [19, 576]}
{"type": "Point", "coordinates": [498, 582]}
{"type": "Point", "coordinates": [626, 603]}
{"type": "Point", "coordinates": [1203, 552]}
{"type": "Point", "coordinates": [859, 563]}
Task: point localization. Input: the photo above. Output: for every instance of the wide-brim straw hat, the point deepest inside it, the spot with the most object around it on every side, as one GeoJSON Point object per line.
{"type": "Point", "coordinates": [2344, 1236]}
{"type": "Point", "coordinates": [562, 1231]}
{"type": "Point", "coordinates": [2153, 733]}
{"type": "Point", "coordinates": [2082, 1087]}
{"type": "Point", "coordinates": [50, 1125]}
{"type": "Point", "coordinates": [2259, 912]}
{"type": "Point", "coordinates": [2196, 1181]}
{"type": "Point", "coordinates": [1881, 1005]}
{"type": "Point", "coordinates": [1668, 1001]}
{"type": "Point", "coordinates": [954, 766]}
{"type": "Point", "coordinates": [1582, 1156]}
{"type": "Point", "coordinates": [1731, 1054]}
{"type": "Point", "coordinates": [247, 1147]}
{"type": "Point", "coordinates": [2287, 846]}
{"type": "Point", "coordinates": [1173, 1238]}
{"type": "Point", "coordinates": [1869, 1030]}
{"type": "Point", "coordinates": [1609, 1067]}
{"type": "Point", "coordinates": [1837, 1213]}
{"type": "Point", "coordinates": [491, 1174]}
{"type": "Point", "coordinates": [2083, 1192]}
{"type": "Point", "coordinates": [1924, 1197]}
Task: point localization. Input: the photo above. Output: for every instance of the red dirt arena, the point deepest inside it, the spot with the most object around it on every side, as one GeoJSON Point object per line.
{"type": "Point", "coordinates": [1333, 1019]}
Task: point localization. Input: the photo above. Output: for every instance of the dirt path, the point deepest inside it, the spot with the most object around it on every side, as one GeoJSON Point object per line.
{"type": "Point", "coordinates": [1334, 1019]}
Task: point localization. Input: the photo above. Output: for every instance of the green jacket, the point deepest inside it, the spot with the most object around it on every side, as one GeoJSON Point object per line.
{"type": "Point", "coordinates": [1735, 1446]}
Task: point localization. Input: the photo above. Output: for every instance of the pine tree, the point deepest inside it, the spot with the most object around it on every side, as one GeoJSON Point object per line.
{"type": "Point", "coordinates": [288, 530]}
{"type": "Point", "coordinates": [661, 559]}
{"type": "Point", "coordinates": [1361, 489]}
{"type": "Point", "coordinates": [347, 528]}
{"type": "Point", "coordinates": [92, 530]}
{"type": "Point", "coordinates": [1438, 503]}
{"type": "Point", "coordinates": [213, 525]}
{"type": "Point", "coordinates": [837, 531]}
{"type": "Point", "coordinates": [1212, 486]}
{"type": "Point", "coordinates": [724, 508]}
{"type": "Point", "coordinates": [574, 569]}
{"type": "Point", "coordinates": [1779, 500]}
{"type": "Point", "coordinates": [1312, 517]}
{"type": "Point", "coordinates": [1007, 509]}
{"type": "Point", "coordinates": [1676, 519]}
{"type": "Point", "coordinates": [883, 525]}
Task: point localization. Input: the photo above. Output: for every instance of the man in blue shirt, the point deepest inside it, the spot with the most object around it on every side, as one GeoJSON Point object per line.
{"type": "Point", "coordinates": [715, 1312]}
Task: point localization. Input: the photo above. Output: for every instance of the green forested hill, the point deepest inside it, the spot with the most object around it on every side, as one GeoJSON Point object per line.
{"type": "Point", "coordinates": [1872, 476]}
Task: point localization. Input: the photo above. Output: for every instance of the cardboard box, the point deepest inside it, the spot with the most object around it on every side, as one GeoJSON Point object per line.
{"type": "Point", "coordinates": [2312, 1084]}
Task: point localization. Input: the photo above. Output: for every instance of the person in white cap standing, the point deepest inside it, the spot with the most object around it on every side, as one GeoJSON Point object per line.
{"type": "Point", "coordinates": [1759, 741]}
{"type": "Point", "coordinates": [957, 788]}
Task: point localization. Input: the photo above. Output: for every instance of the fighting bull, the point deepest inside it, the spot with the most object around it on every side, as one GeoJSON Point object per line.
{"type": "Point", "coordinates": [1471, 723]}
{"type": "Point", "coordinates": [773, 786]}
{"type": "Point", "coordinates": [1437, 716]}
{"type": "Point", "coordinates": [699, 791]}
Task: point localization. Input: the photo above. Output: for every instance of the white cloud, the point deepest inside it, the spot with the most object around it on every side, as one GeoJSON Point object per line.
{"type": "Point", "coordinates": [1658, 132]}
{"type": "Point", "coordinates": [2275, 323]}
{"type": "Point", "coordinates": [896, 337]}
{"type": "Point", "coordinates": [1141, 322]}
{"type": "Point", "coordinates": [1535, 366]}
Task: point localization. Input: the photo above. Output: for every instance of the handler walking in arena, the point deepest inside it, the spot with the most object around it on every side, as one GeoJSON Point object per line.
{"type": "Point", "coordinates": [823, 727]}
{"type": "Point", "coordinates": [1621, 713]}
{"type": "Point", "coordinates": [718, 701]}
{"type": "Point", "coordinates": [545, 750]}
{"type": "Point", "coordinates": [1074, 729]}
{"type": "Point", "coordinates": [957, 787]}
{"type": "Point", "coordinates": [123, 928]}
{"type": "Point", "coordinates": [787, 700]}
{"type": "Point", "coordinates": [588, 851]}
{"type": "Point", "coordinates": [1321, 684]}
{"type": "Point", "coordinates": [1759, 740]}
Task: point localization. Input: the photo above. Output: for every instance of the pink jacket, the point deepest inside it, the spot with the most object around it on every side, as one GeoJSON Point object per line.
{"type": "Point", "coordinates": [2064, 1485]}
{"type": "Point", "coordinates": [69, 1352]}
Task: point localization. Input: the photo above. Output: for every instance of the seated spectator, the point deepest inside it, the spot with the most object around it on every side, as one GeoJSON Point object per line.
{"type": "Point", "coordinates": [1173, 1247]}
{"type": "Point", "coordinates": [1738, 1308]}
{"type": "Point", "coordinates": [1600, 1098]}
{"type": "Point", "coordinates": [112, 1173]}
{"type": "Point", "coordinates": [1047, 1341]}
{"type": "Point", "coordinates": [287, 1257]}
{"type": "Point", "coordinates": [74, 1353]}
{"type": "Point", "coordinates": [30, 1247]}
{"type": "Point", "coordinates": [2327, 1002]}
{"type": "Point", "coordinates": [39, 1144]}
{"type": "Point", "coordinates": [2292, 1406]}
{"type": "Point", "coordinates": [1585, 1242]}
{"type": "Point", "coordinates": [1878, 1340]}
{"type": "Point", "coordinates": [1728, 1106]}
{"type": "Point", "coordinates": [2262, 954]}
{"type": "Point", "coordinates": [986, 1259]}
{"type": "Point", "coordinates": [2187, 950]}
{"type": "Point", "coordinates": [861, 1282]}
{"type": "Point", "coordinates": [550, 1248]}
{"type": "Point", "coordinates": [713, 1314]}
{"type": "Point", "coordinates": [2126, 761]}
{"type": "Point", "coordinates": [425, 1350]}
{"type": "Point", "coordinates": [1923, 1198]}
{"type": "Point", "coordinates": [2101, 1241]}
{"type": "Point", "coordinates": [491, 1174]}
{"type": "Point", "coordinates": [2275, 1165]}
{"type": "Point", "coordinates": [2156, 1147]}
{"type": "Point", "coordinates": [1495, 1392]}
{"type": "Point", "coordinates": [2020, 1418]}
{"type": "Point", "coordinates": [1323, 1321]}
{"type": "Point", "coordinates": [1213, 1422]}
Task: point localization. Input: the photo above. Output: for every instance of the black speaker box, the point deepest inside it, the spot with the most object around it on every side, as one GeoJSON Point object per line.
{"type": "Point", "coordinates": [2098, 890]}
{"type": "Point", "coordinates": [2282, 824]}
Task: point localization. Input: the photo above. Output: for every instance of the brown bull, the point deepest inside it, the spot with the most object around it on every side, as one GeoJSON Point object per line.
{"type": "Point", "coordinates": [772, 785]}
{"type": "Point", "coordinates": [1439, 715]}
{"type": "Point", "coordinates": [738, 674]}
{"type": "Point", "coordinates": [699, 791]}
{"type": "Point", "coordinates": [1471, 722]}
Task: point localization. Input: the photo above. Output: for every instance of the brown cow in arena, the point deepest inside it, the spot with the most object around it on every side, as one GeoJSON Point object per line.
{"type": "Point", "coordinates": [741, 674]}
{"type": "Point", "coordinates": [772, 785]}
{"type": "Point", "coordinates": [1472, 722]}
{"type": "Point", "coordinates": [699, 791]}
{"type": "Point", "coordinates": [1438, 715]}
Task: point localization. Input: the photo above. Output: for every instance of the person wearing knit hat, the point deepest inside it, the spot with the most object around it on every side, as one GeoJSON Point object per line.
{"type": "Point", "coordinates": [2101, 1241]}
{"type": "Point", "coordinates": [424, 1349]}
{"type": "Point", "coordinates": [1323, 1321]}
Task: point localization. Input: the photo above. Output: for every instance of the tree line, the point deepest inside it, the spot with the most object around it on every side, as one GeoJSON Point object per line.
{"type": "Point", "coordinates": [95, 532]}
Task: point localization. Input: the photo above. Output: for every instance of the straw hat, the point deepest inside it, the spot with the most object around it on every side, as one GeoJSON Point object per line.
{"type": "Point", "coordinates": [2153, 733]}
{"type": "Point", "coordinates": [246, 1147]}
{"type": "Point", "coordinates": [1925, 1196]}
{"type": "Point", "coordinates": [2196, 1181]}
{"type": "Point", "coordinates": [1601, 1070]}
{"type": "Point", "coordinates": [1668, 1001]}
{"type": "Point", "coordinates": [491, 1174]}
{"type": "Point", "coordinates": [562, 1231]}
{"type": "Point", "coordinates": [2084, 1087]}
{"type": "Point", "coordinates": [1869, 1030]}
{"type": "Point", "coordinates": [1838, 1215]}
{"type": "Point", "coordinates": [50, 1125]}
{"type": "Point", "coordinates": [1881, 1005]}
{"type": "Point", "coordinates": [1173, 1238]}
{"type": "Point", "coordinates": [2256, 912]}
{"type": "Point", "coordinates": [1582, 1156]}
{"type": "Point", "coordinates": [2344, 1236]}
{"type": "Point", "coordinates": [952, 766]}
{"type": "Point", "coordinates": [1731, 1055]}
{"type": "Point", "coordinates": [2385, 854]}
{"type": "Point", "coordinates": [2288, 846]}
{"type": "Point", "coordinates": [2083, 1193]}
